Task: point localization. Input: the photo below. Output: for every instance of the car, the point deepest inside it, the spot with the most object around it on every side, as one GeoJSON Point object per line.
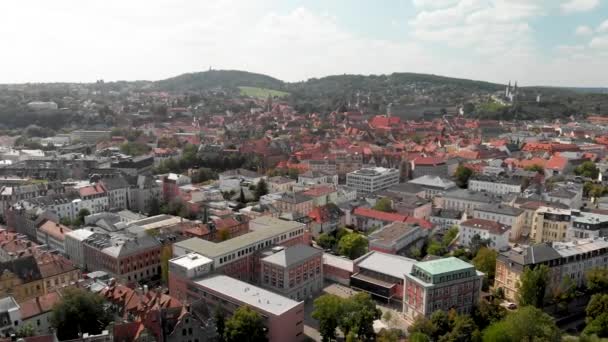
{"type": "Point", "coordinates": [511, 306]}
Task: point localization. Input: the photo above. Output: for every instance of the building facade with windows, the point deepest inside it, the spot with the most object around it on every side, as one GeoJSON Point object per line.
{"type": "Point", "coordinates": [441, 284]}
{"type": "Point", "coordinates": [370, 180]}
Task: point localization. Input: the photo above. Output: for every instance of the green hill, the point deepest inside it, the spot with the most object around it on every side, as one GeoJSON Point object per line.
{"type": "Point", "coordinates": [231, 79]}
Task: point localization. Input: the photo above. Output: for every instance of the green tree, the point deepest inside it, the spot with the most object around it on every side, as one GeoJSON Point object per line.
{"type": "Point", "coordinates": [422, 325]}
{"type": "Point", "coordinates": [384, 204]}
{"type": "Point", "coordinates": [220, 323]}
{"type": "Point", "coordinates": [360, 314]}
{"type": "Point", "coordinates": [245, 325]}
{"type": "Point", "coordinates": [587, 169]}
{"type": "Point", "coordinates": [82, 213]}
{"type": "Point", "coordinates": [223, 234]}
{"type": "Point", "coordinates": [435, 248]}
{"type": "Point", "coordinates": [352, 245]}
{"type": "Point", "coordinates": [485, 261]}
{"type": "Point", "coordinates": [564, 293]}
{"type": "Point", "coordinates": [25, 330]}
{"type": "Point", "coordinates": [328, 310]}
{"type": "Point", "coordinates": [462, 176]}
{"type": "Point", "coordinates": [463, 328]}
{"type": "Point", "coordinates": [79, 311]}
{"type": "Point", "coordinates": [486, 313]}
{"type": "Point", "coordinates": [389, 335]}
{"type": "Point", "coordinates": [261, 189]}
{"type": "Point", "coordinates": [419, 337]}
{"type": "Point", "coordinates": [598, 326]}
{"type": "Point", "coordinates": [597, 280]}
{"type": "Point", "coordinates": [536, 168]}
{"type": "Point", "coordinates": [533, 285]}
{"type": "Point", "coordinates": [597, 306]}
{"type": "Point", "coordinates": [526, 324]}
{"type": "Point", "coordinates": [449, 236]}
{"type": "Point", "coordinates": [441, 324]}
{"type": "Point", "coordinates": [326, 241]}
{"type": "Point", "coordinates": [166, 253]}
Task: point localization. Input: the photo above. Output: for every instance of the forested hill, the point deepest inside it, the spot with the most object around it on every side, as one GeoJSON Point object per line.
{"type": "Point", "coordinates": [218, 79]}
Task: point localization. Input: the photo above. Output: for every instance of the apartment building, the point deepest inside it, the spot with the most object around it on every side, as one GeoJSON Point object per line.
{"type": "Point", "coordinates": [294, 202]}
{"type": "Point", "coordinates": [128, 257]}
{"type": "Point", "coordinates": [117, 189]}
{"type": "Point", "coordinates": [496, 233]}
{"type": "Point", "coordinates": [295, 272]}
{"type": "Point", "coordinates": [495, 185]}
{"type": "Point", "coordinates": [13, 194]}
{"type": "Point", "coordinates": [370, 180]}
{"type": "Point", "coordinates": [441, 284]}
{"type": "Point", "coordinates": [52, 234]}
{"type": "Point", "coordinates": [587, 225]}
{"type": "Point", "coordinates": [572, 259]}
{"type": "Point", "coordinates": [550, 224]}
{"type": "Point", "coordinates": [74, 247]}
{"type": "Point", "coordinates": [503, 214]}
{"type": "Point", "coordinates": [467, 201]}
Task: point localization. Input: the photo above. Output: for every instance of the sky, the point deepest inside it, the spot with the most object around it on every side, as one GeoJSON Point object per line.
{"type": "Point", "coordinates": [536, 42]}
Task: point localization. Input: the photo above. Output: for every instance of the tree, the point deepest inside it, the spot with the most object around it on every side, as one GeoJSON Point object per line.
{"type": "Point", "coordinates": [536, 168]}
{"type": "Point", "coordinates": [79, 311]}
{"type": "Point", "coordinates": [564, 293]}
{"type": "Point", "coordinates": [422, 325]}
{"type": "Point", "coordinates": [587, 169]}
{"type": "Point", "coordinates": [245, 325]}
{"type": "Point", "coordinates": [435, 248]}
{"type": "Point", "coordinates": [463, 329]}
{"type": "Point", "coordinates": [597, 280]}
{"type": "Point", "coordinates": [166, 253]}
{"type": "Point", "coordinates": [441, 324]}
{"type": "Point", "coordinates": [328, 310]}
{"type": "Point", "coordinates": [485, 261]}
{"type": "Point", "coordinates": [462, 176]}
{"type": "Point", "coordinates": [223, 234]}
{"type": "Point", "coordinates": [419, 337]}
{"type": "Point", "coordinates": [25, 330]}
{"type": "Point", "coordinates": [487, 313]}
{"type": "Point", "coordinates": [352, 245]}
{"type": "Point", "coordinates": [596, 307]}
{"type": "Point", "coordinates": [261, 189]}
{"type": "Point", "coordinates": [154, 207]}
{"type": "Point", "coordinates": [389, 335]}
{"type": "Point", "coordinates": [384, 204]}
{"type": "Point", "coordinates": [449, 236]}
{"type": "Point", "coordinates": [598, 326]}
{"type": "Point", "coordinates": [526, 324]}
{"type": "Point", "coordinates": [82, 213]}
{"type": "Point", "coordinates": [326, 241]}
{"type": "Point", "coordinates": [242, 198]}
{"type": "Point", "coordinates": [359, 315]}
{"type": "Point", "coordinates": [532, 286]}
{"type": "Point", "coordinates": [476, 243]}
{"type": "Point", "coordinates": [220, 323]}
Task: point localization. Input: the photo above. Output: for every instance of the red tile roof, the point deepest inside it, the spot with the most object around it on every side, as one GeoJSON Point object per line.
{"type": "Point", "coordinates": [91, 190]}
{"type": "Point", "coordinates": [380, 215]}
{"type": "Point", "coordinates": [39, 305]}
{"type": "Point", "coordinates": [491, 226]}
{"type": "Point", "coordinates": [56, 230]}
{"type": "Point", "coordinates": [428, 161]}
{"type": "Point", "coordinates": [319, 191]}
{"type": "Point", "coordinates": [556, 163]}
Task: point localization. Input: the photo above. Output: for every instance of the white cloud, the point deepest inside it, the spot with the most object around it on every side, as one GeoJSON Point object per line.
{"type": "Point", "coordinates": [584, 30]}
{"type": "Point", "coordinates": [600, 42]}
{"type": "Point", "coordinates": [572, 6]}
{"type": "Point", "coordinates": [433, 3]}
{"type": "Point", "coordinates": [603, 27]}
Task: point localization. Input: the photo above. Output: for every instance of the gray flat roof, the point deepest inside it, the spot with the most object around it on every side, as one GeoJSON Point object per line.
{"type": "Point", "coordinates": [210, 249]}
{"type": "Point", "coordinates": [392, 265]}
{"type": "Point", "coordinates": [249, 294]}
{"type": "Point", "coordinates": [292, 255]}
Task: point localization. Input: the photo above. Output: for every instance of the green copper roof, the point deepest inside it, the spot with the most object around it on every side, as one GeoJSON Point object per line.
{"type": "Point", "coordinates": [445, 265]}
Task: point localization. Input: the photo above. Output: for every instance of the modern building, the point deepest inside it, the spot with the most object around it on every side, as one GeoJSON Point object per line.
{"type": "Point", "coordinates": [503, 214]}
{"type": "Point", "coordinates": [396, 237]}
{"type": "Point", "coordinates": [441, 284]}
{"type": "Point", "coordinates": [446, 218]}
{"type": "Point", "coordinates": [240, 256]}
{"type": "Point", "coordinates": [497, 234]}
{"type": "Point", "coordinates": [295, 272]}
{"type": "Point", "coordinates": [283, 317]}
{"type": "Point", "coordinates": [91, 137]}
{"type": "Point", "coordinates": [381, 275]}
{"type": "Point", "coordinates": [233, 179]}
{"type": "Point", "coordinates": [550, 224]}
{"type": "Point", "coordinates": [318, 177]}
{"type": "Point", "coordinates": [433, 185]}
{"type": "Point", "coordinates": [10, 316]}
{"type": "Point", "coordinates": [370, 180]}
{"type": "Point", "coordinates": [432, 166]}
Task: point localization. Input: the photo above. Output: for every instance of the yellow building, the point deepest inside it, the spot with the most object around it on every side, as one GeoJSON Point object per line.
{"type": "Point", "coordinates": [550, 224]}
{"type": "Point", "coordinates": [21, 279]}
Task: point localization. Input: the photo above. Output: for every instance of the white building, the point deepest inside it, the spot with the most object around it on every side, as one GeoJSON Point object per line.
{"type": "Point", "coordinates": [318, 177]}
{"type": "Point", "coordinates": [374, 179]}
{"type": "Point", "coordinates": [580, 256]}
{"type": "Point", "coordinates": [190, 266]}
{"type": "Point", "coordinates": [10, 311]}
{"type": "Point", "coordinates": [503, 214]}
{"type": "Point", "coordinates": [233, 179]}
{"type": "Point", "coordinates": [495, 185]}
{"type": "Point", "coordinates": [497, 234]}
{"type": "Point", "coordinates": [42, 105]}
{"type": "Point", "coordinates": [117, 190]}
{"type": "Point", "coordinates": [74, 248]}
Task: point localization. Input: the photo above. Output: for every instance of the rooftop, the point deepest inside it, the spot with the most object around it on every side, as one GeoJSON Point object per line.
{"type": "Point", "coordinates": [433, 181]}
{"type": "Point", "coordinates": [389, 264]}
{"type": "Point", "coordinates": [501, 209]}
{"type": "Point", "coordinates": [191, 260]}
{"type": "Point", "coordinates": [490, 226]}
{"type": "Point", "coordinates": [274, 227]}
{"type": "Point", "coordinates": [249, 294]}
{"type": "Point", "coordinates": [444, 265]}
{"type": "Point", "coordinates": [392, 232]}
{"type": "Point", "coordinates": [373, 171]}
{"type": "Point", "coordinates": [292, 255]}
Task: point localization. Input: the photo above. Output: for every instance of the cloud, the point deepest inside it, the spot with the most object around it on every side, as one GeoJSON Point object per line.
{"type": "Point", "coordinates": [603, 27]}
{"type": "Point", "coordinates": [433, 3]}
{"type": "Point", "coordinates": [572, 6]}
{"type": "Point", "coordinates": [584, 31]}
{"type": "Point", "coordinates": [600, 42]}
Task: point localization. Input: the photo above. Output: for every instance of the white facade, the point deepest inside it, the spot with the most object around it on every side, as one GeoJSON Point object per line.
{"type": "Point", "coordinates": [498, 237]}
{"type": "Point", "coordinates": [370, 180]}
{"type": "Point", "coordinates": [494, 187]}
{"type": "Point", "coordinates": [74, 249]}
